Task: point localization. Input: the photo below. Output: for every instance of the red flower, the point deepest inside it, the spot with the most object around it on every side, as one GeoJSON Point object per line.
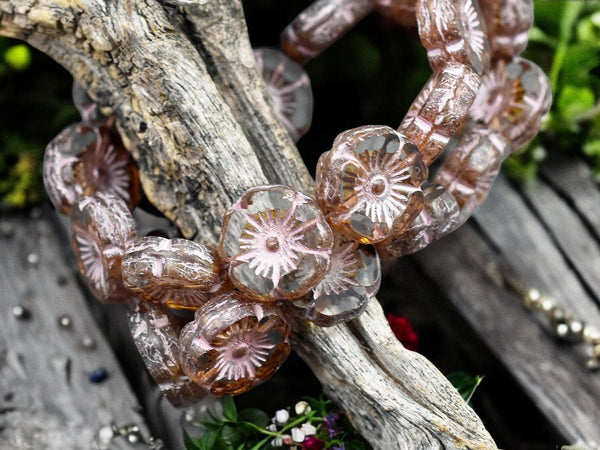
{"type": "Point", "coordinates": [403, 330]}
{"type": "Point", "coordinates": [313, 443]}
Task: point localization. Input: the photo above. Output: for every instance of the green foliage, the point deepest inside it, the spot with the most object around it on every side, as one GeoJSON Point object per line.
{"type": "Point", "coordinates": [18, 57]}
{"type": "Point", "coordinates": [465, 384]}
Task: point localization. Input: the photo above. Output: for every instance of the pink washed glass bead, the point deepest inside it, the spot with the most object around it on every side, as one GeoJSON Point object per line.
{"type": "Point", "coordinates": [444, 111]}
{"type": "Point", "coordinates": [436, 219]}
{"type": "Point", "coordinates": [87, 158]}
{"type": "Point", "coordinates": [368, 184]}
{"type": "Point", "coordinates": [402, 12]}
{"type": "Point", "coordinates": [453, 31]}
{"type": "Point", "coordinates": [320, 25]}
{"type": "Point", "coordinates": [90, 111]}
{"type": "Point", "coordinates": [233, 345]}
{"type": "Point", "coordinates": [353, 279]}
{"type": "Point", "coordinates": [277, 242]}
{"type": "Point", "coordinates": [101, 229]}
{"type": "Point", "coordinates": [177, 273]}
{"type": "Point", "coordinates": [508, 23]}
{"type": "Point", "coordinates": [289, 88]}
{"type": "Point", "coordinates": [472, 167]}
{"type": "Point", "coordinates": [513, 99]}
{"type": "Point", "coordinates": [157, 340]}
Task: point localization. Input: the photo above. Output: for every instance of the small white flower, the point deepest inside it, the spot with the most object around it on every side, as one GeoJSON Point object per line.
{"type": "Point", "coordinates": [302, 408]}
{"type": "Point", "coordinates": [277, 442]}
{"type": "Point", "coordinates": [282, 417]}
{"type": "Point", "coordinates": [308, 429]}
{"type": "Point", "coordinates": [271, 427]}
{"type": "Point", "coordinates": [297, 435]}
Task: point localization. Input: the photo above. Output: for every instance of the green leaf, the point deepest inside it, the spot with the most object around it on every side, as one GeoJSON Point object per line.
{"type": "Point", "coordinates": [574, 101]}
{"type": "Point", "coordinates": [536, 34]}
{"type": "Point", "coordinates": [255, 416]}
{"type": "Point", "coordinates": [465, 384]}
{"type": "Point", "coordinates": [190, 444]}
{"type": "Point", "coordinates": [229, 409]}
{"type": "Point", "coordinates": [18, 57]}
{"type": "Point", "coordinates": [592, 148]}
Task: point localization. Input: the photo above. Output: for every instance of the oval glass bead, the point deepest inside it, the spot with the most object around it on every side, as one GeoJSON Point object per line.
{"type": "Point", "coordinates": [368, 184]}
{"type": "Point", "coordinates": [508, 23]}
{"type": "Point", "coordinates": [233, 345]}
{"type": "Point", "coordinates": [157, 340]}
{"type": "Point", "coordinates": [101, 228]}
{"type": "Point", "coordinates": [89, 110]}
{"type": "Point", "coordinates": [436, 219]}
{"type": "Point", "coordinates": [513, 99]}
{"type": "Point", "coordinates": [453, 31]}
{"type": "Point", "coordinates": [277, 242]}
{"type": "Point", "coordinates": [178, 273]}
{"type": "Point", "coordinates": [353, 279]}
{"type": "Point", "coordinates": [88, 158]}
{"type": "Point", "coordinates": [289, 89]}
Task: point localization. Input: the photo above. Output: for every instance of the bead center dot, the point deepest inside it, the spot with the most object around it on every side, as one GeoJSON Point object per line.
{"type": "Point", "coordinates": [272, 243]}
{"type": "Point", "coordinates": [240, 352]}
{"type": "Point", "coordinates": [378, 186]}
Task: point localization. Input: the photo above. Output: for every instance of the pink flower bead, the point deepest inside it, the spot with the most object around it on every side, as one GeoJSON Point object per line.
{"type": "Point", "coordinates": [368, 184]}
{"type": "Point", "coordinates": [277, 242]}
{"type": "Point", "coordinates": [232, 344]}
{"type": "Point", "coordinates": [508, 23]}
{"type": "Point", "coordinates": [513, 99]}
{"type": "Point", "coordinates": [178, 273]}
{"type": "Point", "coordinates": [101, 229]}
{"type": "Point", "coordinates": [453, 31]}
{"type": "Point", "coordinates": [156, 337]}
{"type": "Point", "coordinates": [289, 89]}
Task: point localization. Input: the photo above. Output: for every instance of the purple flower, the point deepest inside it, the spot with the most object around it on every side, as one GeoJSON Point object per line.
{"type": "Point", "coordinates": [330, 423]}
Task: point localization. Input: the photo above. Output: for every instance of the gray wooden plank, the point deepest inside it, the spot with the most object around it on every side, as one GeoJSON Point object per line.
{"type": "Point", "coordinates": [46, 397]}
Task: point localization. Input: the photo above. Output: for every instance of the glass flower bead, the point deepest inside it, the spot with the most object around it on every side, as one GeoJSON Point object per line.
{"type": "Point", "coordinates": [437, 218]}
{"type": "Point", "coordinates": [453, 31]}
{"type": "Point", "coordinates": [101, 229]}
{"type": "Point", "coordinates": [177, 273]}
{"type": "Point", "coordinates": [89, 110]}
{"type": "Point", "coordinates": [288, 86]}
{"type": "Point", "coordinates": [444, 111]}
{"type": "Point", "coordinates": [402, 12]}
{"type": "Point", "coordinates": [508, 24]}
{"type": "Point", "coordinates": [233, 344]}
{"type": "Point", "coordinates": [277, 242]}
{"type": "Point", "coordinates": [320, 25]}
{"type": "Point", "coordinates": [472, 166]}
{"type": "Point", "coordinates": [513, 99]}
{"type": "Point", "coordinates": [157, 339]}
{"type": "Point", "coordinates": [368, 184]}
{"type": "Point", "coordinates": [353, 279]}
{"type": "Point", "coordinates": [87, 158]}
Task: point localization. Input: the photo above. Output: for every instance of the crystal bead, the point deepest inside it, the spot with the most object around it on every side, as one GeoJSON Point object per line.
{"type": "Point", "coordinates": [453, 31]}
{"type": "Point", "coordinates": [232, 344]}
{"type": "Point", "coordinates": [402, 12]}
{"type": "Point", "coordinates": [89, 110]}
{"type": "Point", "coordinates": [101, 229]}
{"type": "Point", "coordinates": [508, 23]}
{"type": "Point", "coordinates": [591, 334]}
{"type": "Point", "coordinates": [513, 98]}
{"type": "Point", "coordinates": [178, 273]}
{"type": "Point", "coordinates": [368, 184]}
{"type": "Point", "coordinates": [157, 340]}
{"type": "Point", "coordinates": [444, 111]}
{"type": "Point", "coordinates": [84, 159]}
{"type": "Point", "coordinates": [471, 167]}
{"type": "Point", "coordinates": [289, 88]}
{"type": "Point", "coordinates": [437, 218]}
{"type": "Point", "coordinates": [277, 242]}
{"type": "Point", "coordinates": [320, 25]}
{"type": "Point", "coordinates": [353, 279]}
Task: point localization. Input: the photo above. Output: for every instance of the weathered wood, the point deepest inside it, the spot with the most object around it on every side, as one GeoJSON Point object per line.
{"type": "Point", "coordinates": [194, 156]}
{"type": "Point", "coordinates": [46, 398]}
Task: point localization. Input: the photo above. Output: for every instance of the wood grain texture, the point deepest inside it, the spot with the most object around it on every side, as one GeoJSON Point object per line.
{"type": "Point", "coordinates": [140, 59]}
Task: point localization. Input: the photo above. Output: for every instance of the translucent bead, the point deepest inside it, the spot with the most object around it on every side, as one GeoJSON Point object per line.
{"type": "Point", "coordinates": [453, 31]}
{"type": "Point", "coordinates": [445, 110]}
{"type": "Point", "coordinates": [157, 340]}
{"type": "Point", "coordinates": [84, 159]}
{"type": "Point", "coordinates": [368, 184]}
{"type": "Point", "coordinates": [436, 219]}
{"type": "Point", "coordinates": [277, 242]}
{"type": "Point", "coordinates": [353, 279]}
{"type": "Point", "coordinates": [508, 23]}
{"type": "Point", "coordinates": [178, 273]}
{"type": "Point", "coordinates": [289, 89]}
{"type": "Point", "coordinates": [89, 110]}
{"type": "Point", "coordinates": [513, 99]}
{"type": "Point", "coordinates": [232, 345]}
{"type": "Point", "coordinates": [401, 11]}
{"type": "Point", "coordinates": [101, 229]}
{"type": "Point", "coordinates": [470, 169]}
{"type": "Point", "coordinates": [320, 25]}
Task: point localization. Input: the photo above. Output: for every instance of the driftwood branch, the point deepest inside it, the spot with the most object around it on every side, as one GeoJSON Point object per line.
{"type": "Point", "coordinates": [181, 80]}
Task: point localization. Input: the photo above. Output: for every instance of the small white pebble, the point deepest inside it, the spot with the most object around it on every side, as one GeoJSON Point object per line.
{"type": "Point", "coordinates": [282, 417]}
{"type": "Point", "coordinates": [308, 429]}
{"type": "Point", "coordinates": [297, 435]}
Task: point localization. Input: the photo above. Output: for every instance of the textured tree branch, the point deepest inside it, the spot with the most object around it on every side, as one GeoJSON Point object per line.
{"type": "Point", "coordinates": [181, 79]}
